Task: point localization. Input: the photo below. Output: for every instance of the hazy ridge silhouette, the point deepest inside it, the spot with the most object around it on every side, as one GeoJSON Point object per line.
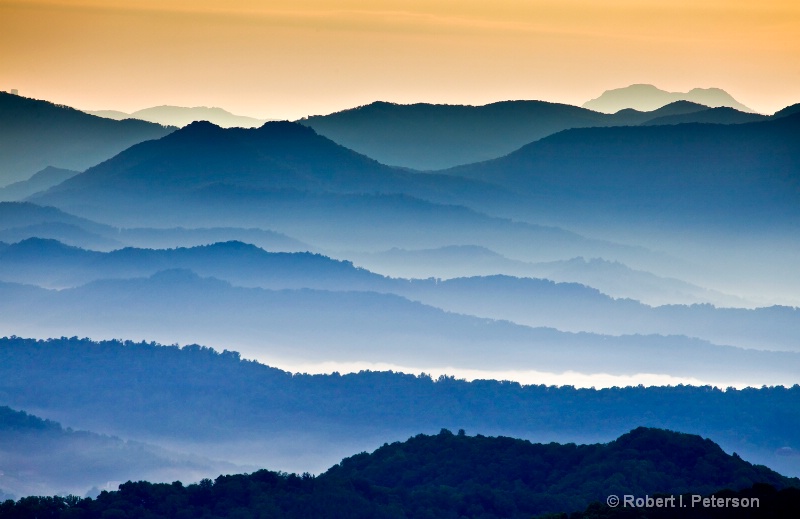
{"type": "Point", "coordinates": [449, 475]}
{"type": "Point", "coordinates": [41, 181]}
{"type": "Point", "coordinates": [40, 457]}
{"type": "Point", "coordinates": [648, 97]}
{"type": "Point", "coordinates": [718, 175]}
{"type": "Point", "coordinates": [183, 397]}
{"type": "Point", "coordinates": [35, 134]}
{"type": "Point", "coordinates": [252, 240]}
{"type": "Point", "coordinates": [430, 137]}
{"type": "Point", "coordinates": [182, 115]}
{"type": "Point", "coordinates": [532, 302]}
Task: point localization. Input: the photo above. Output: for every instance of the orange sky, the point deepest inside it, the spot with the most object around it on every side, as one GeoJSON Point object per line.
{"type": "Point", "coordinates": [291, 58]}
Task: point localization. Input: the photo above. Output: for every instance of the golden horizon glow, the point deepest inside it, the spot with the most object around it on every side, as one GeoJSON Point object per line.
{"type": "Point", "coordinates": [288, 59]}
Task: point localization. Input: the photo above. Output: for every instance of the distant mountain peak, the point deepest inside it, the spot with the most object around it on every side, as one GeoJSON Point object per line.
{"type": "Point", "coordinates": [684, 104]}
{"type": "Point", "coordinates": [198, 126]}
{"type": "Point", "coordinates": [197, 131]}
{"type": "Point", "coordinates": [644, 87]}
{"type": "Point", "coordinates": [182, 116]}
{"type": "Point", "coordinates": [285, 128]}
{"type": "Point", "coordinates": [201, 157]}
{"type": "Point", "coordinates": [646, 98]}
{"type": "Point", "coordinates": [268, 129]}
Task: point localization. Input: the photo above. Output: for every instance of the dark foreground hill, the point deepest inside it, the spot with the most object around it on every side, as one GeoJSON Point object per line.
{"type": "Point", "coordinates": [35, 134]}
{"type": "Point", "coordinates": [219, 402]}
{"type": "Point", "coordinates": [443, 476]}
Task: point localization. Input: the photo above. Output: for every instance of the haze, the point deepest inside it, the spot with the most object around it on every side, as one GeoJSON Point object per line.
{"type": "Point", "coordinates": [282, 59]}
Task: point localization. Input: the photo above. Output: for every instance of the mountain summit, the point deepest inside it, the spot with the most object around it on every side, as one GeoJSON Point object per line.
{"type": "Point", "coordinates": [181, 116]}
{"type": "Point", "coordinates": [278, 155]}
{"type": "Point", "coordinates": [647, 98]}
{"type": "Point", "coordinates": [202, 162]}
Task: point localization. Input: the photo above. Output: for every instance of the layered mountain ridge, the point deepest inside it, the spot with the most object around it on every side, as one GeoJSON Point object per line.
{"type": "Point", "coordinates": [574, 253]}
{"type": "Point", "coordinates": [648, 97]}
{"type": "Point", "coordinates": [364, 410]}
{"type": "Point", "coordinates": [36, 134]}
{"type": "Point", "coordinates": [431, 137]}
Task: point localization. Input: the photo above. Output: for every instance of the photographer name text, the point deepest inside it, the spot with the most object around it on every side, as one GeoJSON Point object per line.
{"type": "Point", "coordinates": [687, 501]}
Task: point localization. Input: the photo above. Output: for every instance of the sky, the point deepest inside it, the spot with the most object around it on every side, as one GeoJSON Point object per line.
{"type": "Point", "coordinates": [287, 59]}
